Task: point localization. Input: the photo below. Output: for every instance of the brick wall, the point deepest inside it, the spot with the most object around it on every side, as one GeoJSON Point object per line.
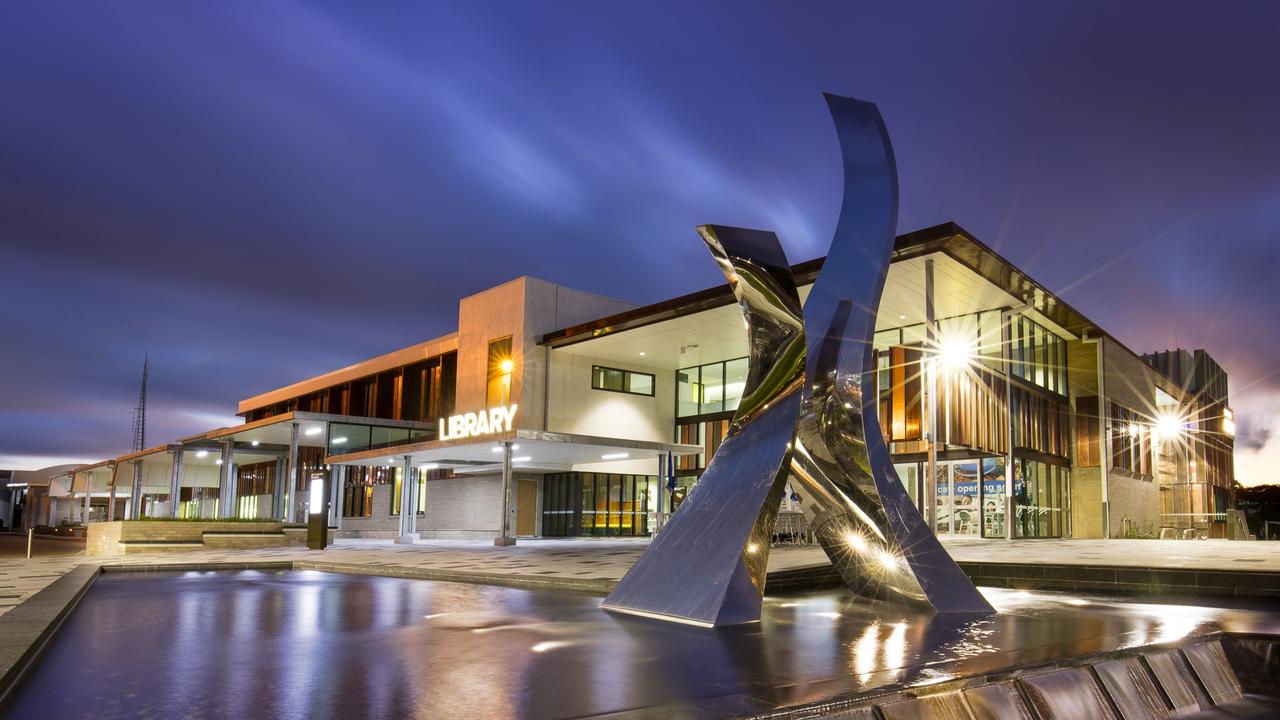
{"type": "Point", "coordinates": [381, 524]}
{"type": "Point", "coordinates": [468, 507]}
{"type": "Point", "coordinates": [1135, 500]}
{"type": "Point", "coordinates": [1086, 502]}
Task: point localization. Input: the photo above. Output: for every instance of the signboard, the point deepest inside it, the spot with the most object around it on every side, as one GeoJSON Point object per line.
{"type": "Point", "coordinates": [476, 424]}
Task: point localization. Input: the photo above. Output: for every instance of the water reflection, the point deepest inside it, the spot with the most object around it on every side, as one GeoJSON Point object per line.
{"type": "Point", "coordinates": [316, 645]}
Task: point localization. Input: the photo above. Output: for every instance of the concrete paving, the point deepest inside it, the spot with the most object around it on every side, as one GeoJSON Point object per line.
{"type": "Point", "coordinates": [595, 564]}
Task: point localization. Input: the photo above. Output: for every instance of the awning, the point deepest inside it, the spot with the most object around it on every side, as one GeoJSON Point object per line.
{"type": "Point", "coordinates": [533, 451]}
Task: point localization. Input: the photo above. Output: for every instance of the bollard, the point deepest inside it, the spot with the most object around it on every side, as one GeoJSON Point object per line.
{"type": "Point", "coordinates": [30, 532]}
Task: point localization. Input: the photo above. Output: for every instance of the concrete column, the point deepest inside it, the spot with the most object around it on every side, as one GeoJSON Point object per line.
{"type": "Point", "coordinates": [135, 492]}
{"type": "Point", "coordinates": [337, 481]}
{"type": "Point", "coordinates": [408, 503]}
{"type": "Point", "coordinates": [175, 482]}
{"type": "Point", "coordinates": [111, 502]}
{"type": "Point", "coordinates": [288, 500]}
{"type": "Point", "coordinates": [227, 482]}
{"type": "Point", "coordinates": [53, 511]}
{"type": "Point", "coordinates": [930, 499]}
{"type": "Point", "coordinates": [88, 483]}
{"type": "Point", "coordinates": [506, 538]}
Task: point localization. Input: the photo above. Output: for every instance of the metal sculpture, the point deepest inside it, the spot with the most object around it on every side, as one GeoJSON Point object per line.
{"type": "Point", "coordinates": [707, 566]}
{"type": "Point", "coordinates": [853, 499]}
{"type": "Point", "coordinates": [804, 417]}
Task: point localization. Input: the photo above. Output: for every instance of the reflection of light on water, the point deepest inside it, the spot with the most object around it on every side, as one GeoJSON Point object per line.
{"type": "Point", "coordinates": [864, 652]}
{"type": "Point", "coordinates": [895, 648]}
{"type": "Point", "coordinates": [1077, 602]}
{"type": "Point", "coordinates": [433, 615]}
{"type": "Point", "coordinates": [547, 645]}
{"type": "Point", "coordinates": [1176, 622]}
{"type": "Point", "coordinates": [832, 615]}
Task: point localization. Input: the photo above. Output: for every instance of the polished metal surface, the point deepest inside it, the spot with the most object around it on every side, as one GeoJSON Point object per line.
{"type": "Point", "coordinates": [283, 645]}
{"type": "Point", "coordinates": [707, 566]}
{"type": "Point", "coordinates": [850, 492]}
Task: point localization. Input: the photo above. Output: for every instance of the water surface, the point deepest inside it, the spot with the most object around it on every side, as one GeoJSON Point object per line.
{"type": "Point", "coordinates": [305, 644]}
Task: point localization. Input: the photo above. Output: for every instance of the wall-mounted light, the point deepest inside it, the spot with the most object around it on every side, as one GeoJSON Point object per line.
{"type": "Point", "coordinates": [615, 456]}
{"type": "Point", "coordinates": [506, 366]}
{"type": "Point", "coordinates": [1168, 426]}
{"type": "Point", "coordinates": [202, 453]}
{"type": "Point", "coordinates": [254, 443]}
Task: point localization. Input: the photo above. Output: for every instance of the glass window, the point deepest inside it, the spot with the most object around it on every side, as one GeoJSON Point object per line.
{"type": "Point", "coordinates": [346, 438]}
{"type": "Point", "coordinates": [735, 381]}
{"type": "Point", "coordinates": [993, 497]}
{"type": "Point", "coordinates": [626, 381]}
{"type": "Point", "coordinates": [501, 365]}
{"type": "Point", "coordinates": [688, 388]}
{"type": "Point", "coordinates": [712, 389]}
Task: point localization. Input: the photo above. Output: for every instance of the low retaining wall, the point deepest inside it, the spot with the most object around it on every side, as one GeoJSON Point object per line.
{"type": "Point", "coordinates": [123, 536]}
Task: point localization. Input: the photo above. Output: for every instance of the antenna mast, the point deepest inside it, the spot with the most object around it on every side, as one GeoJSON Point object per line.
{"type": "Point", "coordinates": [140, 412]}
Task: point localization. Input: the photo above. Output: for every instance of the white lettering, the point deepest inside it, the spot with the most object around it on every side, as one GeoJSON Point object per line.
{"type": "Point", "coordinates": [495, 420]}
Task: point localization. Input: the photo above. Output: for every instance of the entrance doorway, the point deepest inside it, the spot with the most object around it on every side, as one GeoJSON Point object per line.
{"type": "Point", "coordinates": [526, 507]}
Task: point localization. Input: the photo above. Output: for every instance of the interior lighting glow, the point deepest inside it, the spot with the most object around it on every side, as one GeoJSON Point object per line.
{"type": "Point", "coordinates": [752, 548]}
{"type": "Point", "coordinates": [506, 366]}
{"type": "Point", "coordinates": [218, 461]}
{"type": "Point", "coordinates": [314, 431]}
{"type": "Point", "coordinates": [615, 456]}
{"type": "Point", "coordinates": [339, 440]}
{"type": "Point", "coordinates": [202, 453]}
{"type": "Point", "coordinates": [1133, 429]}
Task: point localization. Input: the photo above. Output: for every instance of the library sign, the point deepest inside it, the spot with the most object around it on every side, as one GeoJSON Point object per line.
{"type": "Point", "coordinates": [477, 424]}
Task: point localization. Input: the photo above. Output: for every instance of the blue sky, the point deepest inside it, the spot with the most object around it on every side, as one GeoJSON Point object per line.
{"type": "Point", "coordinates": [258, 192]}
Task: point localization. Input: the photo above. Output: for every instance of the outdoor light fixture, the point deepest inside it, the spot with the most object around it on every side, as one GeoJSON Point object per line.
{"type": "Point", "coordinates": [202, 453]}
{"type": "Point", "coordinates": [1168, 426]}
{"type": "Point", "coordinates": [614, 456]}
{"type": "Point", "coordinates": [314, 431]}
{"type": "Point", "coordinates": [522, 458]}
{"type": "Point", "coordinates": [218, 461]}
{"type": "Point", "coordinates": [506, 366]}
{"type": "Point", "coordinates": [955, 351]}
{"type": "Point", "coordinates": [254, 443]}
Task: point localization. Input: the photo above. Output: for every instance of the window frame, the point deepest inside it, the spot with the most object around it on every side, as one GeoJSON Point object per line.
{"type": "Point", "coordinates": [626, 377]}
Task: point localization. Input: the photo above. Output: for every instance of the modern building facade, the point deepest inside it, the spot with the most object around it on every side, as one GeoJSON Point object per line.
{"type": "Point", "coordinates": [1009, 415]}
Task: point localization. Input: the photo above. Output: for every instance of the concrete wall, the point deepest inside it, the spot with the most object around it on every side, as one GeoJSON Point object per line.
{"type": "Point", "coordinates": [525, 309]}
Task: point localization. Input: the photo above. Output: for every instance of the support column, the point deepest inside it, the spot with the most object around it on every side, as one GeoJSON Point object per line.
{"type": "Point", "coordinates": [227, 482]}
{"type": "Point", "coordinates": [1010, 507]}
{"type": "Point", "coordinates": [930, 498]}
{"type": "Point", "coordinates": [289, 500]}
{"type": "Point", "coordinates": [175, 481]}
{"type": "Point", "coordinates": [505, 538]}
{"type": "Point", "coordinates": [53, 511]}
{"type": "Point", "coordinates": [337, 481]}
{"type": "Point", "coordinates": [408, 503]}
{"type": "Point", "coordinates": [284, 471]}
{"type": "Point", "coordinates": [88, 482]}
{"type": "Point", "coordinates": [135, 492]}
{"type": "Point", "coordinates": [111, 497]}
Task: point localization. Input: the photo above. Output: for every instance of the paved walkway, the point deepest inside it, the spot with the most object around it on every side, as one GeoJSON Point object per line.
{"type": "Point", "coordinates": [588, 563]}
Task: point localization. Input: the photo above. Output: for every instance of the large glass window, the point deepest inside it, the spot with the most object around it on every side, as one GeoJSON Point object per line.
{"type": "Point", "coordinates": [1038, 356]}
{"type": "Point", "coordinates": [1040, 494]}
{"type": "Point", "coordinates": [597, 504]}
{"type": "Point", "coordinates": [420, 496]}
{"type": "Point", "coordinates": [712, 388]}
{"type": "Point", "coordinates": [993, 497]}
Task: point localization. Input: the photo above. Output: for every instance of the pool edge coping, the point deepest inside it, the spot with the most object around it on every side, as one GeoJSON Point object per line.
{"type": "Point", "coordinates": [23, 639]}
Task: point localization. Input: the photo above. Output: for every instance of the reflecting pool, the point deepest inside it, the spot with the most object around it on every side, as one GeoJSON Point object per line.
{"type": "Point", "coordinates": [305, 644]}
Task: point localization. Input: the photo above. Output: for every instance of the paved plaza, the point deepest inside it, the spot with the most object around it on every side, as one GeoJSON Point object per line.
{"type": "Point", "coordinates": [593, 565]}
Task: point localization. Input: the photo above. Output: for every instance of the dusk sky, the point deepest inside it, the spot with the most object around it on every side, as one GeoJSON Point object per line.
{"type": "Point", "coordinates": [254, 193]}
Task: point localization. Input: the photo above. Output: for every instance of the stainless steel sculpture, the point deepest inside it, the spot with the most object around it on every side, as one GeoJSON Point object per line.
{"type": "Point", "coordinates": [852, 497]}
{"type": "Point", "coordinates": [708, 565]}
